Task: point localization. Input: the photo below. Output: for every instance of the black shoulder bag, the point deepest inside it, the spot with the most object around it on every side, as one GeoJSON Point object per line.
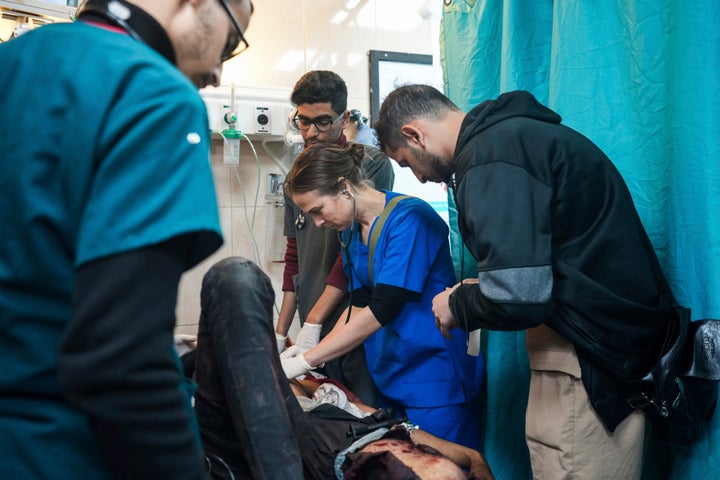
{"type": "Point", "coordinates": [678, 394]}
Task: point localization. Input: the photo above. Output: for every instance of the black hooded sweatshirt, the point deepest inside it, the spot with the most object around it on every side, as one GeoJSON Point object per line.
{"type": "Point", "coordinates": [558, 241]}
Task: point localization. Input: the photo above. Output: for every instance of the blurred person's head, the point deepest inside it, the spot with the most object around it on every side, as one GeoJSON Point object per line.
{"type": "Point", "coordinates": [204, 33]}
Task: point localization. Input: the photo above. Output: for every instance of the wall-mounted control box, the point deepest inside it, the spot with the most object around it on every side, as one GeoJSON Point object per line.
{"type": "Point", "coordinates": [263, 122]}
{"type": "Point", "coordinates": [255, 109]}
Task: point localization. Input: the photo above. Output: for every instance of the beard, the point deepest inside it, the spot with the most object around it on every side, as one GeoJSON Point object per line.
{"type": "Point", "coordinates": [439, 169]}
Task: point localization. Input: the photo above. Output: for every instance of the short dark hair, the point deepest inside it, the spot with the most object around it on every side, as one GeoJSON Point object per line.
{"type": "Point", "coordinates": [320, 86]}
{"type": "Point", "coordinates": [405, 104]}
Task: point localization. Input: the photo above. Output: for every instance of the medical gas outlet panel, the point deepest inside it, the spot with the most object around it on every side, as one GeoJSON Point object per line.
{"type": "Point", "coordinates": [261, 112]}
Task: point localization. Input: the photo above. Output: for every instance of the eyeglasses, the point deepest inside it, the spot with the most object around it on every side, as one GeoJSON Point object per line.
{"type": "Point", "coordinates": [233, 47]}
{"type": "Point", "coordinates": [322, 123]}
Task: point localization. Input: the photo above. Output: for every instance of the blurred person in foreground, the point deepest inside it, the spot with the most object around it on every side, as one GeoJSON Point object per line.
{"type": "Point", "coordinates": [108, 199]}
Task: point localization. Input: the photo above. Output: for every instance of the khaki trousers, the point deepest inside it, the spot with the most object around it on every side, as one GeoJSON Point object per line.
{"type": "Point", "coordinates": [565, 437]}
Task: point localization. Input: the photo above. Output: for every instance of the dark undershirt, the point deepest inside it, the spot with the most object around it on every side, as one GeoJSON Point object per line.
{"type": "Point", "coordinates": [115, 362]}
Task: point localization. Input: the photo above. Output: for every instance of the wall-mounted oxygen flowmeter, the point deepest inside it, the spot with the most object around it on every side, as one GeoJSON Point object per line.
{"type": "Point", "coordinates": [231, 138]}
{"type": "Point", "coordinates": [259, 111]}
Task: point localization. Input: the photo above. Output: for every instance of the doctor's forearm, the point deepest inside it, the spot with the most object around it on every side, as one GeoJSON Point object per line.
{"type": "Point", "coordinates": [343, 338]}
{"type": "Point", "coordinates": [328, 301]}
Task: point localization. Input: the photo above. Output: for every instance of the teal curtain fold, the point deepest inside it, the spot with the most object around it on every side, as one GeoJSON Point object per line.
{"type": "Point", "coordinates": [642, 80]}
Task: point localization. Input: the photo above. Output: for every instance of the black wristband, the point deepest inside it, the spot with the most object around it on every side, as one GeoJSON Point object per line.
{"type": "Point", "coordinates": [452, 302]}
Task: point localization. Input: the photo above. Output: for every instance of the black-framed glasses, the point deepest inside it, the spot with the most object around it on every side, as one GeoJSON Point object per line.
{"type": "Point", "coordinates": [233, 48]}
{"type": "Point", "coordinates": [322, 123]}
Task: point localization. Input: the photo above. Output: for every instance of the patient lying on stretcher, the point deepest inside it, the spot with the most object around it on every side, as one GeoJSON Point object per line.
{"type": "Point", "coordinates": [393, 450]}
{"type": "Point", "coordinates": [251, 420]}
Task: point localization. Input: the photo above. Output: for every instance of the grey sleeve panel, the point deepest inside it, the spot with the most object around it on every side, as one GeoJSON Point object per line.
{"type": "Point", "coordinates": [518, 285]}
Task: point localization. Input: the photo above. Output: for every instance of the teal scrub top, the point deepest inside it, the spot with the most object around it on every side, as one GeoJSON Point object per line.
{"type": "Point", "coordinates": [409, 359]}
{"type": "Point", "coordinates": [104, 149]}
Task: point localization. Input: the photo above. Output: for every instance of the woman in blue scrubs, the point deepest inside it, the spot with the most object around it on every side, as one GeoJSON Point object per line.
{"type": "Point", "coordinates": [429, 378]}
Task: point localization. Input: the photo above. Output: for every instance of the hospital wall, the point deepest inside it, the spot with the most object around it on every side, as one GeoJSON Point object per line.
{"type": "Point", "coordinates": [288, 38]}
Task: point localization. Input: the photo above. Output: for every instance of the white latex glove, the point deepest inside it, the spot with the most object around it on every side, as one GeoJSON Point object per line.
{"type": "Point", "coordinates": [281, 342]}
{"type": "Point", "coordinates": [292, 351]}
{"type": "Point", "coordinates": [309, 335]}
{"type": "Point", "coordinates": [295, 366]}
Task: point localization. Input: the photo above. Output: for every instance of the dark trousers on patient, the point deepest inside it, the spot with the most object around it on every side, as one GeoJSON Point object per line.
{"type": "Point", "coordinates": [250, 422]}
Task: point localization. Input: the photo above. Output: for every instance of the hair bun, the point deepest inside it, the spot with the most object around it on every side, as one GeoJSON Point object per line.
{"type": "Point", "coordinates": [357, 153]}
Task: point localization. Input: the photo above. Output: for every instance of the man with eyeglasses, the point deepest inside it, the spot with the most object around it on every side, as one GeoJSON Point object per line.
{"type": "Point", "coordinates": [314, 283]}
{"type": "Point", "coordinates": [104, 207]}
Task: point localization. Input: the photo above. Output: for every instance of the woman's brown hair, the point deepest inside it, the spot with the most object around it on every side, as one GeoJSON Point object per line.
{"type": "Point", "coordinates": [325, 167]}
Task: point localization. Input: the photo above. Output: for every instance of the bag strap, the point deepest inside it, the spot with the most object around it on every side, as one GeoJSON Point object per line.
{"type": "Point", "coordinates": [377, 229]}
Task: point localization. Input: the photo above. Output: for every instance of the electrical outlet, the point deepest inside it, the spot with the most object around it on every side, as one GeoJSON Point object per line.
{"type": "Point", "coordinates": [263, 123]}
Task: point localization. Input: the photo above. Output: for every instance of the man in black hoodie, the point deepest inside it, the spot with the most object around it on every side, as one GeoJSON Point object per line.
{"type": "Point", "coordinates": [561, 253]}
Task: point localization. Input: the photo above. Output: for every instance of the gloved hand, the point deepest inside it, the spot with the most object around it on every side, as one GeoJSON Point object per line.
{"type": "Point", "coordinates": [281, 342]}
{"type": "Point", "coordinates": [309, 335]}
{"type": "Point", "coordinates": [292, 351]}
{"type": "Point", "coordinates": [294, 366]}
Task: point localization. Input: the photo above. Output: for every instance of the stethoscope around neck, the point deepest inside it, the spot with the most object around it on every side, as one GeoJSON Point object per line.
{"type": "Point", "coordinates": [300, 224]}
{"type": "Point", "coordinates": [300, 221]}
{"type": "Point", "coordinates": [344, 246]}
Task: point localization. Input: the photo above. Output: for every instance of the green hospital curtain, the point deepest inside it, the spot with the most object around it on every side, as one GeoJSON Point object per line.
{"type": "Point", "coordinates": [641, 78]}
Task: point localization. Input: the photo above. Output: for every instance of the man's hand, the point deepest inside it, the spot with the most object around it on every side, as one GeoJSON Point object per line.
{"type": "Point", "coordinates": [444, 318]}
{"type": "Point", "coordinates": [309, 336]}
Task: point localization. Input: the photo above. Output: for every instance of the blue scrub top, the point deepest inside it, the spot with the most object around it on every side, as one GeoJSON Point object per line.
{"type": "Point", "coordinates": [409, 359]}
{"type": "Point", "coordinates": [104, 149]}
